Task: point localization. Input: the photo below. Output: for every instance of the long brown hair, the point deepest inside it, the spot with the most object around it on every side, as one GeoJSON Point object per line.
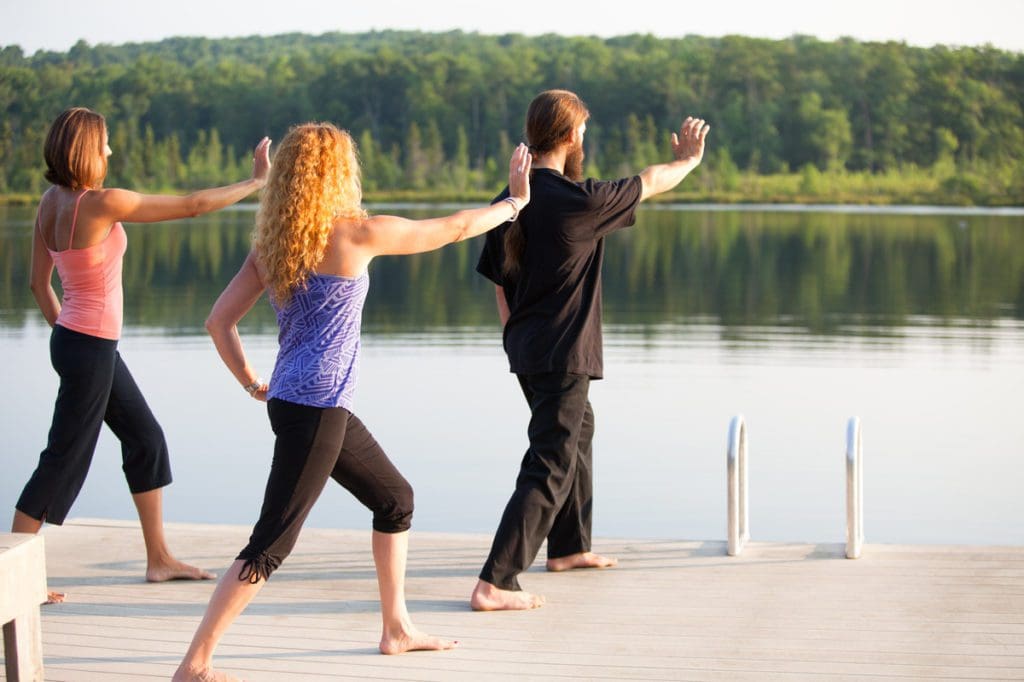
{"type": "Point", "coordinates": [313, 182]}
{"type": "Point", "coordinates": [74, 149]}
{"type": "Point", "coordinates": [551, 118]}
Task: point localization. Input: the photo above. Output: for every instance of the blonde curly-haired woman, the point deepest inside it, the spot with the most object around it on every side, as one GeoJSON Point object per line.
{"type": "Point", "coordinates": [311, 249]}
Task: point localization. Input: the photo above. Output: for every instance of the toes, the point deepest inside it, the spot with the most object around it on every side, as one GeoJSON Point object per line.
{"type": "Point", "coordinates": [178, 572]}
{"type": "Point", "coordinates": [416, 643]}
{"type": "Point", "coordinates": [429, 643]}
{"type": "Point", "coordinates": [586, 560]}
{"type": "Point", "coordinates": [444, 644]}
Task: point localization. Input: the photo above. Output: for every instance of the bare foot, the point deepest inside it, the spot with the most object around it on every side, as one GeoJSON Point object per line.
{"type": "Point", "coordinates": [410, 639]}
{"type": "Point", "coordinates": [189, 674]}
{"type": "Point", "coordinates": [487, 597]}
{"type": "Point", "coordinates": [581, 560]}
{"type": "Point", "coordinates": [55, 597]}
{"type": "Point", "coordinates": [173, 569]}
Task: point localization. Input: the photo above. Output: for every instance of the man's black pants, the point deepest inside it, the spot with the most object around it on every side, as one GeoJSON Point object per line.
{"type": "Point", "coordinates": [554, 490]}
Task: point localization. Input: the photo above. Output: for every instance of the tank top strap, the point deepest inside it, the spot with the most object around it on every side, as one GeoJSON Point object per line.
{"type": "Point", "coordinates": [74, 218]}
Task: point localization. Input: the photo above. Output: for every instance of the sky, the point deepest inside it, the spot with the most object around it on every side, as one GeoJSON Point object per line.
{"type": "Point", "coordinates": [59, 24]}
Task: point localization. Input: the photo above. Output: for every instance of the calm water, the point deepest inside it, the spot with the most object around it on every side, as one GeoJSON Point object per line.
{"type": "Point", "coordinates": [911, 320]}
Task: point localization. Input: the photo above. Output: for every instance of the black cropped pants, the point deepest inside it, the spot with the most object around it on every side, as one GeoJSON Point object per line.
{"type": "Point", "coordinates": [312, 445]}
{"type": "Point", "coordinates": [95, 387]}
{"type": "Point", "coordinates": [554, 491]}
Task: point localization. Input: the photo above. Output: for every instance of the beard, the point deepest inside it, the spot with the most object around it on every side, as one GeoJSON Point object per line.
{"type": "Point", "coordinates": [574, 163]}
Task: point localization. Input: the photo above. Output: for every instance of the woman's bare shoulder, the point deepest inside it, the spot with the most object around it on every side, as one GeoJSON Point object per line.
{"type": "Point", "coordinates": [352, 230]}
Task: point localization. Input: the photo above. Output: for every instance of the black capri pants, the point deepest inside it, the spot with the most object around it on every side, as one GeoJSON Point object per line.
{"type": "Point", "coordinates": [95, 387]}
{"type": "Point", "coordinates": [312, 445]}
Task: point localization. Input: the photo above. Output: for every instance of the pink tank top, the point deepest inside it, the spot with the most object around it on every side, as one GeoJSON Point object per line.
{"type": "Point", "coordinates": [93, 301]}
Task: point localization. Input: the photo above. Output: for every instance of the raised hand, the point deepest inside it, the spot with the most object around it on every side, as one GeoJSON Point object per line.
{"type": "Point", "coordinates": [261, 160]}
{"type": "Point", "coordinates": [688, 143]}
{"type": "Point", "coordinates": [519, 174]}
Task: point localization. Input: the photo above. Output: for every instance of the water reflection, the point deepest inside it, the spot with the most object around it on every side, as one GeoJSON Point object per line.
{"type": "Point", "coordinates": [797, 319]}
{"type": "Point", "coordinates": [824, 273]}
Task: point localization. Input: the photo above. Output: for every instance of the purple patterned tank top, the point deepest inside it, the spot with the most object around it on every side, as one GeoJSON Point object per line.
{"type": "Point", "coordinates": [318, 360]}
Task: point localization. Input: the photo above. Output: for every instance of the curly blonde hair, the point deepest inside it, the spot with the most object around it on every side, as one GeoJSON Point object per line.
{"type": "Point", "coordinates": [314, 181]}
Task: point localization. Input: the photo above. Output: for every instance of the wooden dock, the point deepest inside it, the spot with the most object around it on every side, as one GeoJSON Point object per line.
{"type": "Point", "coordinates": [672, 610]}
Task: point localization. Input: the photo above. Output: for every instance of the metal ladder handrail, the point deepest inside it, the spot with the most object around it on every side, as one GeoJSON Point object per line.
{"type": "Point", "coordinates": [854, 490]}
{"type": "Point", "coordinates": [736, 463]}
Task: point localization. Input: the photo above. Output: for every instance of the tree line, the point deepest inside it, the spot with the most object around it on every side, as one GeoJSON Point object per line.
{"type": "Point", "coordinates": [437, 113]}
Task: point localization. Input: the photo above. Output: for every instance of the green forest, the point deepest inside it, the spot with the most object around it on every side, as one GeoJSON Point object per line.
{"type": "Point", "coordinates": [436, 114]}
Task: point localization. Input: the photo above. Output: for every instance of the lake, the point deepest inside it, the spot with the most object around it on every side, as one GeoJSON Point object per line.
{"type": "Point", "coordinates": [796, 318]}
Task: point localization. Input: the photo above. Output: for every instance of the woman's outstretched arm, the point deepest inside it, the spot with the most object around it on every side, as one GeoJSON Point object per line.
{"type": "Point", "coordinates": [391, 235]}
{"type": "Point", "coordinates": [133, 207]}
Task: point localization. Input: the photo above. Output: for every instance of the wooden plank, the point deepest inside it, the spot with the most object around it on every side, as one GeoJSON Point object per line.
{"type": "Point", "coordinates": [673, 610]}
{"type": "Point", "coordinates": [22, 590]}
{"type": "Point", "coordinates": [23, 647]}
{"type": "Point", "coordinates": [155, 637]}
{"type": "Point", "coordinates": [22, 574]}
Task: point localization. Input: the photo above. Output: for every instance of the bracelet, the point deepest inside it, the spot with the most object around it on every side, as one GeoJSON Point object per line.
{"type": "Point", "coordinates": [253, 387]}
{"type": "Point", "coordinates": [515, 208]}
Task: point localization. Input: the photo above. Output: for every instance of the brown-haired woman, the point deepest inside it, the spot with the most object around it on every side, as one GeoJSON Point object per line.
{"type": "Point", "coordinates": [312, 246]}
{"type": "Point", "coordinates": [78, 229]}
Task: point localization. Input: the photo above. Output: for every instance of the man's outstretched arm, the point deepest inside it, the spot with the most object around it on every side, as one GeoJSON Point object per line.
{"type": "Point", "coordinates": [688, 150]}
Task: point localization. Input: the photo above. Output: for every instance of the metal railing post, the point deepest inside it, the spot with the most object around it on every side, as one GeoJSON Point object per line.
{"type": "Point", "coordinates": [854, 490]}
{"type": "Point", "coordinates": [736, 459]}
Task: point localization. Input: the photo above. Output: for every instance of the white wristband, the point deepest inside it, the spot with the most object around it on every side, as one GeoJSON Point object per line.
{"type": "Point", "coordinates": [515, 208]}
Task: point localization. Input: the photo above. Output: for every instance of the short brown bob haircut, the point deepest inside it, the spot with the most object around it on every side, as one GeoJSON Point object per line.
{"type": "Point", "coordinates": [74, 149]}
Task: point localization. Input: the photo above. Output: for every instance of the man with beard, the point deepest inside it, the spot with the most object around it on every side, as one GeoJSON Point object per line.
{"type": "Point", "coordinates": [546, 265]}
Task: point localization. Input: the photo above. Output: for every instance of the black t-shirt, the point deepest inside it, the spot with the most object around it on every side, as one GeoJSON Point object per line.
{"type": "Point", "coordinates": [555, 299]}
